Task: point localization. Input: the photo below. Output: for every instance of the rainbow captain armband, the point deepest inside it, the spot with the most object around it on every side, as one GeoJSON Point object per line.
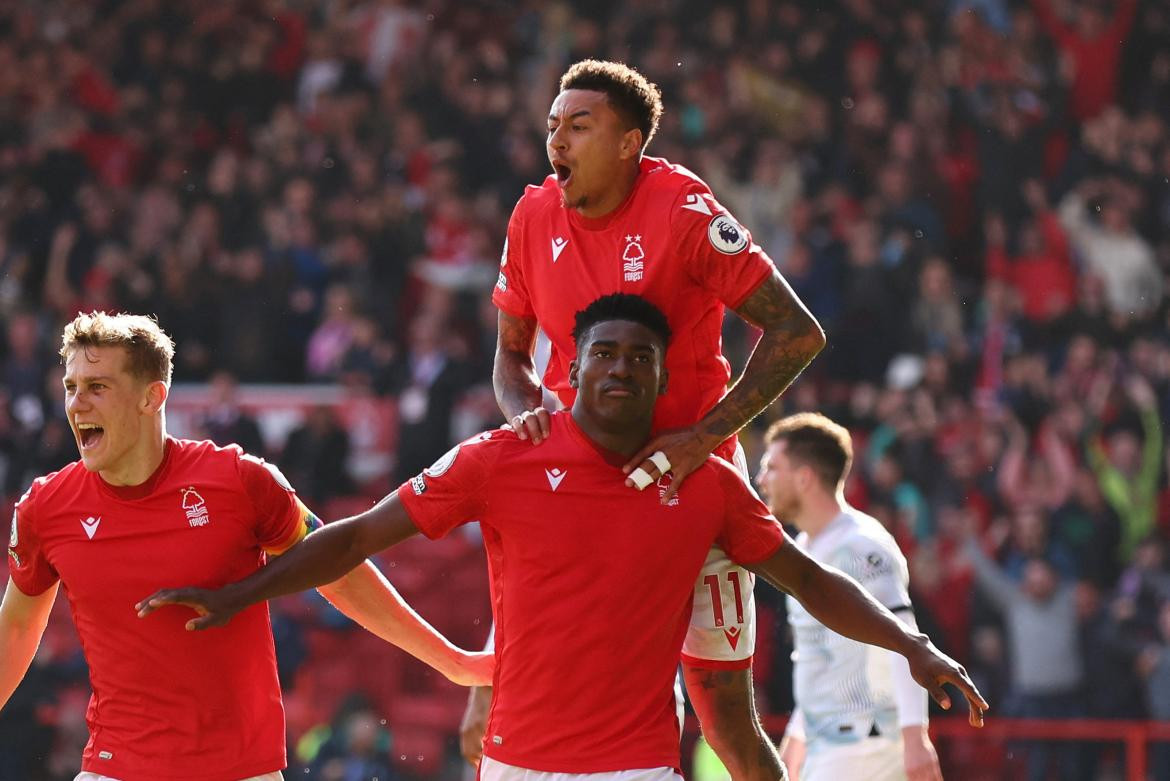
{"type": "Point", "coordinates": [311, 522]}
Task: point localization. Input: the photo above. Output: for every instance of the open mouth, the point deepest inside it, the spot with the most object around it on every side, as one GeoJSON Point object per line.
{"type": "Point", "coordinates": [89, 435]}
{"type": "Point", "coordinates": [564, 173]}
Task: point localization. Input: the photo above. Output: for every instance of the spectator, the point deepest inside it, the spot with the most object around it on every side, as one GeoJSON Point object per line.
{"type": "Point", "coordinates": [314, 457]}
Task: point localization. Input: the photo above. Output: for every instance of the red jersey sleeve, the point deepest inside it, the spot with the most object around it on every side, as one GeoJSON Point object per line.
{"type": "Point", "coordinates": [453, 490]}
{"type": "Point", "coordinates": [281, 519]}
{"type": "Point", "coordinates": [720, 254]}
{"type": "Point", "coordinates": [511, 293]}
{"type": "Point", "coordinates": [28, 566]}
{"type": "Point", "coordinates": [750, 532]}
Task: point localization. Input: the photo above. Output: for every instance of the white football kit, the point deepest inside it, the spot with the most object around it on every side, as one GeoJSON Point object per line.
{"type": "Point", "coordinates": [852, 699]}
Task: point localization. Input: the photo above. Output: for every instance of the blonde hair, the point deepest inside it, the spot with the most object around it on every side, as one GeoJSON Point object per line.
{"type": "Point", "coordinates": [812, 439]}
{"type": "Point", "coordinates": [149, 350]}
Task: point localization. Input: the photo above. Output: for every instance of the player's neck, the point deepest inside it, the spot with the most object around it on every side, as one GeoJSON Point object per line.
{"type": "Point", "coordinates": [613, 197]}
{"type": "Point", "coordinates": [140, 463]}
{"type": "Point", "coordinates": [818, 510]}
{"type": "Point", "coordinates": [622, 439]}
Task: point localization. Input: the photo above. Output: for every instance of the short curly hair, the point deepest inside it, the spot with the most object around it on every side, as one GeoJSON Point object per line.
{"type": "Point", "coordinates": [637, 100]}
{"type": "Point", "coordinates": [622, 306]}
{"type": "Point", "coordinates": [150, 352]}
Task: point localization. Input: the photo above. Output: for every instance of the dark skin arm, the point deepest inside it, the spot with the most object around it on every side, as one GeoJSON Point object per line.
{"type": "Point", "coordinates": [321, 558]}
{"type": "Point", "coordinates": [838, 602]}
{"type": "Point", "coordinates": [791, 339]}
{"type": "Point", "coordinates": [518, 390]}
{"type": "Point", "coordinates": [724, 701]}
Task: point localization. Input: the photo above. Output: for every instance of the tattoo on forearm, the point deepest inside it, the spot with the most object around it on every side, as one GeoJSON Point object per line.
{"type": "Point", "coordinates": [792, 338]}
{"type": "Point", "coordinates": [514, 377]}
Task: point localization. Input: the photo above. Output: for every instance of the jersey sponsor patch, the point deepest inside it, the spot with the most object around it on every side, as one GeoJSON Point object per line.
{"type": "Point", "coordinates": [502, 283]}
{"type": "Point", "coordinates": [418, 484]}
{"type": "Point", "coordinates": [440, 467]}
{"type": "Point", "coordinates": [877, 565]}
{"type": "Point", "coordinates": [726, 235]}
{"type": "Point", "coordinates": [277, 475]}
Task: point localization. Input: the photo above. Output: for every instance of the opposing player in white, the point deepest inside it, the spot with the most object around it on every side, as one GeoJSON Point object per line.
{"type": "Point", "coordinates": [859, 713]}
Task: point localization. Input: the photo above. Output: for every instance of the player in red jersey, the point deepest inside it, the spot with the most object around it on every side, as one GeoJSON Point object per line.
{"type": "Point", "coordinates": [141, 510]}
{"type": "Point", "coordinates": [591, 582]}
{"type": "Point", "coordinates": [611, 219]}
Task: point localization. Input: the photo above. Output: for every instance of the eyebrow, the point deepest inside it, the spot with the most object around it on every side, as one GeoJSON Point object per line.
{"type": "Point", "coordinates": [582, 113]}
{"type": "Point", "coordinates": [611, 343]}
{"type": "Point", "coordinates": [98, 378]}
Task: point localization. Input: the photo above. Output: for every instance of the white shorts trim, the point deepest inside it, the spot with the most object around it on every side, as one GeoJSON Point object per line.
{"type": "Point", "coordinates": [491, 770]}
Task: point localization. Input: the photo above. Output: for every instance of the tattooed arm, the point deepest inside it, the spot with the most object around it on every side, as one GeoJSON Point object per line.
{"type": "Point", "coordinates": [792, 338]}
{"type": "Point", "coordinates": [725, 704]}
{"type": "Point", "coordinates": [514, 378]}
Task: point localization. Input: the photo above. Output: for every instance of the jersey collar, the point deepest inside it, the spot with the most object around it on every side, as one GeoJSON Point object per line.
{"type": "Point", "coordinates": [144, 489]}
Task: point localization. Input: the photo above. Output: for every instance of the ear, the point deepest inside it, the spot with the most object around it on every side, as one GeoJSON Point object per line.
{"type": "Point", "coordinates": [573, 368]}
{"type": "Point", "coordinates": [154, 398]}
{"type": "Point", "coordinates": [631, 144]}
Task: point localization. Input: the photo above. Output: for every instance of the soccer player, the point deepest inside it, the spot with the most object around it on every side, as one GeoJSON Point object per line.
{"type": "Point", "coordinates": [859, 712]}
{"type": "Point", "coordinates": [141, 510]}
{"type": "Point", "coordinates": [591, 582]}
{"type": "Point", "coordinates": [611, 219]}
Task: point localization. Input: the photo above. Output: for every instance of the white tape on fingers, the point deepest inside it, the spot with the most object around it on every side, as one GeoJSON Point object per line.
{"type": "Point", "coordinates": [661, 461]}
{"type": "Point", "coordinates": [641, 478]}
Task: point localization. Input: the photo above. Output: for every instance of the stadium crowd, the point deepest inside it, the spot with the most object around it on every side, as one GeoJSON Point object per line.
{"type": "Point", "coordinates": [972, 196]}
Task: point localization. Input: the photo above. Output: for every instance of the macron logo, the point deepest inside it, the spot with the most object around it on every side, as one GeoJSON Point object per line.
{"type": "Point", "coordinates": [696, 203]}
{"type": "Point", "coordinates": [90, 525]}
{"type": "Point", "coordinates": [558, 246]}
{"type": "Point", "coordinates": [555, 476]}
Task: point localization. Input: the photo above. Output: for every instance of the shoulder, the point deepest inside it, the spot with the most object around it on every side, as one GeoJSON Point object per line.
{"type": "Point", "coordinates": [538, 200]}
{"type": "Point", "coordinates": [669, 180]}
{"type": "Point", "coordinates": [870, 542]}
{"type": "Point", "coordinates": [43, 488]}
{"type": "Point", "coordinates": [725, 475]}
{"type": "Point", "coordinates": [487, 447]}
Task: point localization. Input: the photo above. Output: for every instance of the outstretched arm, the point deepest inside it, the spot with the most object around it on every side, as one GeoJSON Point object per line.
{"type": "Point", "coordinates": [792, 338]}
{"type": "Point", "coordinates": [366, 596]}
{"type": "Point", "coordinates": [514, 379]}
{"type": "Point", "coordinates": [838, 602]}
{"type": "Point", "coordinates": [22, 622]}
{"type": "Point", "coordinates": [321, 558]}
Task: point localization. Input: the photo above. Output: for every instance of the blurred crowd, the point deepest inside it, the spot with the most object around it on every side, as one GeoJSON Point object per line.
{"type": "Point", "coordinates": [973, 196]}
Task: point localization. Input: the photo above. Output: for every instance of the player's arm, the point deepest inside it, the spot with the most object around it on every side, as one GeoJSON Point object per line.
{"type": "Point", "coordinates": [791, 338]}
{"type": "Point", "coordinates": [841, 604]}
{"type": "Point", "coordinates": [321, 558]}
{"type": "Point", "coordinates": [22, 623]}
{"type": "Point", "coordinates": [366, 596]}
{"type": "Point", "coordinates": [514, 378]}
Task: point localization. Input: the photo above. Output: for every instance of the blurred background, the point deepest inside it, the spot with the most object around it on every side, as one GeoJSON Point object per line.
{"type": "Point", "coordinates": [973, 196]}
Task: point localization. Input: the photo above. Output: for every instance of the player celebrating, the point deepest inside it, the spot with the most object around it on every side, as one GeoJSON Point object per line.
{"type": "Point", "coordinates": [859, 713]}
{"type": "Point", "coordinates": [611, 219]}
{"type": "Point", "coordinates": [591, 582]}
{"type": "Point", "coordinates": [140, 509]}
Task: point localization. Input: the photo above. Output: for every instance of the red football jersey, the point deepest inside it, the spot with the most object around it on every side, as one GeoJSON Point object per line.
{"type": "Point", "coordinates": [167, 703]}
{"type": "Point", "coordinates": [670, 242]}
{"type": "Point", "coordinates": [591, 589]}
